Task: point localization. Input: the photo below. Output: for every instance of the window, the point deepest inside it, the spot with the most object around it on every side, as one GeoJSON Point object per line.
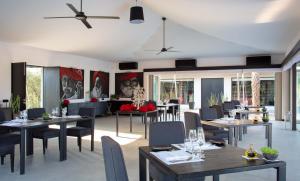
{"type": "Point", "coordinates": [34, 89]}
{"type": "Point", "coordinates": [266, 90]}
{"type": "Point", "coordinates": [182, 89]}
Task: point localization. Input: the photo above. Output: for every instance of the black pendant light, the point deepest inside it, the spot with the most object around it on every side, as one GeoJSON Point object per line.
{"type": "Point", "coordinates": [136, 14]}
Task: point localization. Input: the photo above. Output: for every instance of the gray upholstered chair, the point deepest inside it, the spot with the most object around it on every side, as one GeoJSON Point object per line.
{"type": "Point", "coordinates": [227, 107]}
{"type": "Point", "coordinates": [44, 133]}
{"type": "Point", "coordinates": [191, 121]}
{"type": "Point", "coordinates": [212, 132]}
{"type": "Point", "coordinates": [84, 128]}
{"type": "Point", "coordinates": [219, 110]}
{"type": "Point", "coordinates": [164, 133]}
{"type": "Point", "coordinates": [7, 147]}
{"type": "Point", "coordinates": [115, 167]}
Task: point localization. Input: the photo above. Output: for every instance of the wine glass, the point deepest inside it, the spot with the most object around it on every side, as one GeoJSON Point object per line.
{"type": "Point", "coordinates": [201, 136]}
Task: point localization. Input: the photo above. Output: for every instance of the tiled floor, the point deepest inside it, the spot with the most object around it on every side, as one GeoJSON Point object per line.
{"type": "Point", "coordinates": [88, 166]}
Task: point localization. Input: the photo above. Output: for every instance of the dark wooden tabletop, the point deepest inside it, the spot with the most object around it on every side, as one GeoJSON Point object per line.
{"type": "Point", "coordinates": [39, 122]}
{"type": "Point", "coordinates": [220, 161]}
{"type": "Point", "coordinates": [232, 123]}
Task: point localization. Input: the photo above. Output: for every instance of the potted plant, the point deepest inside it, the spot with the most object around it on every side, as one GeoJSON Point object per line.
{"type": "Point", "coordinates": [213, 100]}
{"type": "Point", "coordinates": [15, 102]}
{"type": "Point", "coordinates": [269, 153]}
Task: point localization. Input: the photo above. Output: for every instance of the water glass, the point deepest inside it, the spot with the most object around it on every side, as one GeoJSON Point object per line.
{"type": "Point", "coordinates": [193, 135]}
{"type": "Point", "coordinates": [187, 145]}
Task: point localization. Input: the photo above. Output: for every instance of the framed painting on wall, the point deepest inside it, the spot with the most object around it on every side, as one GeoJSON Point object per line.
{"type": "Point", "coordinates": [125, 83]}
{"type": "Point", "coordinates": [71, 83]}
{"type": "Point", "coordinates": [99, 84]}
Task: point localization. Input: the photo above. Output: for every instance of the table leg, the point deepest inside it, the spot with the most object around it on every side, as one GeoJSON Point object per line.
{"type": "Point", "coordinates": [156, 115]}
{"type": "Point", "coordinates": [92, 139]}
{"type": "Point", "coordinates": [241, 133]}
{"type": "Point", "coordinates": [178, 112]}
{"type": "Point", "coordinates": [142, 167]}
{"type": "Point", "coordinates": [216, 177]}
{"type": "Point", "coordinates": [173, 113]}
{"type": "Point", "coordinates": [269, 135]}
{"type": "Point", "coordinates": [22, 151]}
{"type": "Point", "coordinates": [145, 119]}
{"type": "Point", "coordinates": [230, 137]}
{"type": "Point", "coordinates": [281, 173]}
{"type": "Point", "coordinates": [165, 113]}
{"type": "Point", "coordinates": [117, 123]}
{"type": "Point", "coordinates": [130, 122]}
{"type": "Point", "coordinates": [245, 130]}
{"type": "Point", "coordinates": [63, 142]}
{"type": "Point", "coordinates": [29, 143]}
{"type": "Point", "coordinates": [236, 136]}
{"type": "Point", "coordinates": [266, 132]}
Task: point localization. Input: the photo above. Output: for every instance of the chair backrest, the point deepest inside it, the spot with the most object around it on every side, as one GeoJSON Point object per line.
{"type": "Point", "coordinates": [208, 113]}
{"type": "Point", "coordinates": [35, 113]}
{"type": "Point", "coordinates": [87, 112]}
{"type": "Point", "coordinates": [219, 110]}
{"type": "Point", "coordinates": [174, 101]}
{"type": "Point", "coordinates": [115, 167]}
{"type": "Point", "coordinates": [165, 133]}
{"type": "Point", "coordinates": [5, 114]}
{"type": "Point", "coordinates": [236, 102]}
{"type": "Point", "coordinates": [191, 121]}
{"type": "Point", "coordinates": [227, 106]}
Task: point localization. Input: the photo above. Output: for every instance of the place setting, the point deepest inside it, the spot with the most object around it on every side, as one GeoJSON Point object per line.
{"type": "Point", "coordinates": [192, 150]}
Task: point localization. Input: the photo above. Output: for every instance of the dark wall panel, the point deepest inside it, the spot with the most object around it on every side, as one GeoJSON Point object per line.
{"type": "Point", "coordinates": [18, 82]}
{"type": "Point", "coordinates": [210, 86]}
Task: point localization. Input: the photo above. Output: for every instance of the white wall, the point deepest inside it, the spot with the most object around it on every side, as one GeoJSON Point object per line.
{"type": "Point", "coordinates": [33, 56]}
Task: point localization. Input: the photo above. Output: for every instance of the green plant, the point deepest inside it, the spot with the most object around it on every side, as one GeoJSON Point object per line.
{"type": "Point", "coordinates": [15, 102]}
{"type": "Point", "coordinates": [213, 100]}
{"type": "Point", "coordinates": [268, 150]}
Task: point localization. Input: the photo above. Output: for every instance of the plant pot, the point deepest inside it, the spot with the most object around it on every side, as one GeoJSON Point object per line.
{"type": "Point", "coordinates": [265, 120]}
{"type": "Point", "coordinates": [191, 105]}
{"type": "Point", "coordinates": [270, 156]}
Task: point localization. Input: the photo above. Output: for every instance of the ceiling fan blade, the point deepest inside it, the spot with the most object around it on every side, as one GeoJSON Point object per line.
{"type": "Point", "coordinates": [59, 17]}
{"type": "Point", "coordinates": [151, 50]}
{"type": "Point", "coordinates": [169, 48]}
{"type": "Point", "coordinates": [173, 51]}
{"type": "Point", "coordinates": [159, 53]}
{"type": "Point", "coordinates": [72, 8]}
{"type": "Point", "coordinates": [86, 23]}
{"type": "Point", "coordinates": [103, 17]}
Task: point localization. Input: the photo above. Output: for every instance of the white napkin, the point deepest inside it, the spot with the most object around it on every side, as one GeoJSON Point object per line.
{"type": "Point", "coordinates": [175, 157]}
{"type": "Point", "coordinates": [206, 146]}
{"type": "Point", "coordinates": [74, 116]}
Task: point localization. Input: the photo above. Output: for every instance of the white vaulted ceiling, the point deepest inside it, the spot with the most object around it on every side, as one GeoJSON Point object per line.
{"type": "Point", "coordinates": [198, 28]}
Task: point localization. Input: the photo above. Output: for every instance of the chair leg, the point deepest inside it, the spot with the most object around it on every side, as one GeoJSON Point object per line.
{"type": "Point", "coordinates": [44, 146]}
{"type": "Point", "coordinates": [46, 143]}
{"type": "Point", "coordinates": [79, 143]}
{"type": "Point", "coordinates": [12, 161]}
{"type": "Point", "coordinates": [59, 146]}
{"type": "Point", "coordinates": [2, 159]}
{"type": "Point", "coordinates": [92, 142]}
{"type": "Point", "coordinates": [151, 179]}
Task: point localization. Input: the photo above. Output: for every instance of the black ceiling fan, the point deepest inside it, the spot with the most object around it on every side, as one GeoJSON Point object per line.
{"type": "Point", "coordinates": [164, 49]}
{"type": "Point", "coordinates": [80, 15]}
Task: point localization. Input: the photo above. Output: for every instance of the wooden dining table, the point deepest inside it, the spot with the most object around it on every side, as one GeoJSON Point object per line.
{"type": "Point", "coordinates": [25, 125]}
{"type": "Point", "coordinates": [143, 115]}
{"type": "Point", "coordinates": [235, 127]}
{"type": "Point", "coordinates": [217, 162]}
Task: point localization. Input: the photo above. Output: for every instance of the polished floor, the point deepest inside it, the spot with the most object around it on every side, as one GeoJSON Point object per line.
{"type": "Point", "coordinates": [89, 166]}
